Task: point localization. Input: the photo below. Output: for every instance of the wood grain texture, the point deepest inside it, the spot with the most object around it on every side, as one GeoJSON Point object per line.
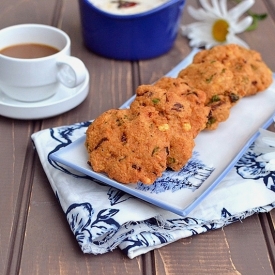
{"type": "Point", "coordinates": [13, 161]}
{"type": "Point", "coordinates": [236, 249]}
{"type": "Point", "coordinates": [35, 237]}
{"type": "Point", "coordinates": [16, 150]}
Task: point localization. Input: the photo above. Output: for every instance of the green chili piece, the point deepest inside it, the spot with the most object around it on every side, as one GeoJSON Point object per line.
{"type": "Point", "coordinates": [210, 121]}
{"type": "Point", "coordinates": [233, 97]}
{"type": "Point", "coordinates": [215, 98]}
{"type": "Point", "coordinates": [155, 150]}
{"type": "Point", "coordinates": [155, 100]}
{"type": "Point", "coordinates": [171, 160]}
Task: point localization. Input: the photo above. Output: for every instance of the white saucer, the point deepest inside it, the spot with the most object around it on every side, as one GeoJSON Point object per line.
{"type": "Point", "coordinates": [64, 100]}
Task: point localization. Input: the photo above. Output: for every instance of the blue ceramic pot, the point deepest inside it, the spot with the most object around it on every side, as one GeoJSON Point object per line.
{"type": "Point", "coordinates": [131, 37]}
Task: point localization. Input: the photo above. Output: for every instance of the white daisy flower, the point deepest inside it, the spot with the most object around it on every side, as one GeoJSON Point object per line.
{"type": "Point", "coordinates": [216, 24]}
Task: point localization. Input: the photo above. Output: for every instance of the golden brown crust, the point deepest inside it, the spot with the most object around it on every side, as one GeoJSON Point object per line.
{"type": "Point", "coordinates": [216, 81]}
{"type": "Point", "coordinates": [128, 147]}
{"type": "Point", "coordinates": [211, 77]}
{"type": "Point", "coordinates": [226, 73]}
{"type": "Point", "coordinates": [177, 111]}
{"type": "Point", "coordinates": [195, 97]}
{"type": "Point", "coordinates": [220, 111]}
{"type": "Point", "coordinates": [251, 74]}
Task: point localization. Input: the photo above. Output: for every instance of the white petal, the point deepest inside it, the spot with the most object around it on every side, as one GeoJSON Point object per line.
{"type": "Point", "coordinates": [200, 26]}
{"type": "Point", "coordinates": [223, 6]}
{"type": "Point", "coordinates": [200, 35]}
{"type": "Point", "coordinates": [233, 39]}
{"type": "Point", "coordinates": [240, 9]}
{"type": "Point", "coordinates": [210, 45]}
{"type": "Point", "coordinates": [194, 29]}
{"type": "Point", "coordinates": [200, 30]}
{"type": "Point", "coordinates": [205, 4]}
{"type": "Point", "coordinates": [242, 25]}
{"type": "Point", "coordinates": [216, 7]}
{"type": "Point", "coordinates": [200, 14]}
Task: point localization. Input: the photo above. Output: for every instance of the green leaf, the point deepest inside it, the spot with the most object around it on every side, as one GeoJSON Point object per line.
{"type": "Point", "coordinates": [256, 18]}
{"type": "Point", "coordinates": [253, 26]}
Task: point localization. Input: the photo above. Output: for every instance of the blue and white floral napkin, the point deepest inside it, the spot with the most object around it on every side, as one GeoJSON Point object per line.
{"type": "Point", "coordinates": [103, 218]}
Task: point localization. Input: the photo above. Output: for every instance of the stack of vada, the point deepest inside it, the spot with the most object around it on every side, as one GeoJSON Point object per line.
{"type": "Point", "coordinates": [158, 131]}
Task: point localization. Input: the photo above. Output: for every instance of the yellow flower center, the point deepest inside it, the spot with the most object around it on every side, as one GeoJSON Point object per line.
{"type": "Point", "coordinates": [220, 30]}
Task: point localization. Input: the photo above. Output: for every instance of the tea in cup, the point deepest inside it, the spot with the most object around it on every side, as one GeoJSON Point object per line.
{"type": "Point", "coordinates": [35, 60]}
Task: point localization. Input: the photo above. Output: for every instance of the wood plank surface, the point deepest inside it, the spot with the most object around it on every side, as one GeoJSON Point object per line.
{"type": "Point", "coordinates": [14, 136]}
{"type": "Point", "coordinates": [240, 250]}
{"type": "Point", "coordinates": [35, 237]}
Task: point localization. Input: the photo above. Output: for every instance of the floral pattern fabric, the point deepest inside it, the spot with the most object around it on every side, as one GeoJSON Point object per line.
{"type": "Point", "coordinates": [103, 218]}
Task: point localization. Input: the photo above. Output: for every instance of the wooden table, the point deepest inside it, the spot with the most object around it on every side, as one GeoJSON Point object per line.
{"type": "Point", "coordinates": [34, 235]}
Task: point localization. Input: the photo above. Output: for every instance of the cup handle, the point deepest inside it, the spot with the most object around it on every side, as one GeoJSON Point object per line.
{"type": "Point", "coordinates": [71, 71]}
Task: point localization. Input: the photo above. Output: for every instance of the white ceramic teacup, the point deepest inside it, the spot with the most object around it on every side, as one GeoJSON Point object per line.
{"type": "Point", "coordinates": [37, 79]}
